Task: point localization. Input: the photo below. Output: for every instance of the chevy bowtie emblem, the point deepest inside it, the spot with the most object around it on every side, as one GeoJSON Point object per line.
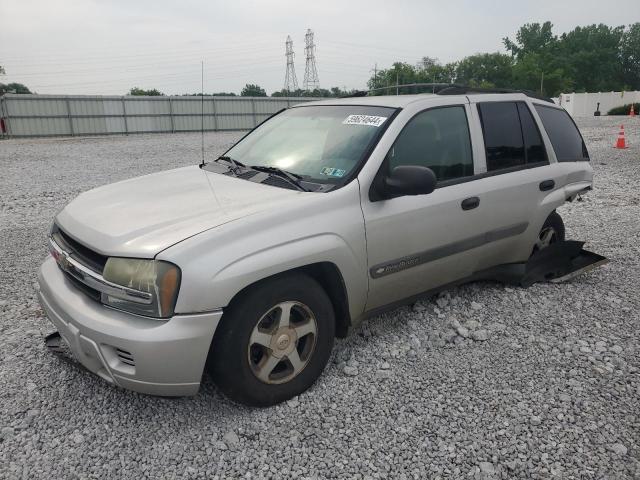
{"type": "Point", "coordinates": [62, 259]}
{"type": "Point", "coordinates": [64, 262]}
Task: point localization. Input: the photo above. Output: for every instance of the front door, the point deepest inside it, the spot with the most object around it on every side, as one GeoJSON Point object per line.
{"type": "Point", "coordinates": [416, 243]}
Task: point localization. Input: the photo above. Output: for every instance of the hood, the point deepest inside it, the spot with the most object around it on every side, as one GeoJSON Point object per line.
{"type": "Point", "coordinates": [142, 216]}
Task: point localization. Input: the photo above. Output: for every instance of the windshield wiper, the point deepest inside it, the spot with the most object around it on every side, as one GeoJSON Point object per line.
{"type": "Point", "coordinates": [235, 164]}
{"type": "Point", "coordinates": [293, 178]}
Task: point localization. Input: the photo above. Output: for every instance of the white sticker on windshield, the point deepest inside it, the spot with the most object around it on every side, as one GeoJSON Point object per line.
{"type": "Point", "coordinates": [371, 120]}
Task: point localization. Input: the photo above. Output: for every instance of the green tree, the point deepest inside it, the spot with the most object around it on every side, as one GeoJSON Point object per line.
{"type": "Point", "coordinates": [532, 38]}
{"type": "Point", "coordinates": [400, 73]}
{"type": "Point", "coordinates": [339, 92]}
{"type": "Point", "coordinates": [536, 73]}
{"type": "Point", "coordinates": [251, 90]}
{"type": "Point", "coordinates": [318, 92]}
{"type": "Point", "coordinates": [590, 57]}
{"type": "Point", "coordinates": [215, 94]}
{"type": "Point", "coordinates": [630, 57]}
{"type": "Point", "coordinates": [154, 92]}
{"type": "Point", "coordinates": [538, 66]}
{"type": "Point", "coordinates": [13, 88]}
{"type": "Point", "coordinates": [430, 70]}
{"type": "Point", "coordinates": [2, 72]}
{"type": "Point", "coordinates": [486, 70]}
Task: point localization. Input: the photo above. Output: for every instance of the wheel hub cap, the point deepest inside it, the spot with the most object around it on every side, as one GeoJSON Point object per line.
{"type": "Point", "coordinates": [283, 341]}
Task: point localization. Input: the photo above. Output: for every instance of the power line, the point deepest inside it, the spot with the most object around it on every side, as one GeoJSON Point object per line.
{"type": "Point", "coordinates": [311, 81]}
{"type": "Point", "coordinates": [159, 78]}
{"type": "Point", "coordinates": [290, 80]}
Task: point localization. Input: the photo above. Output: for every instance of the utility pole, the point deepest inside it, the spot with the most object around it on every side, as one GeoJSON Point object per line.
{"type": "Point", "coordinates": [290, 79]}
{"type": "Point", "coordinates": [397, 83]}
{"type": "Point", "coordinates": [375, 75]}
{"type": "Point", "coordinates": [541, 82]}
{"type": "Point", "coordinates": [311, 81]}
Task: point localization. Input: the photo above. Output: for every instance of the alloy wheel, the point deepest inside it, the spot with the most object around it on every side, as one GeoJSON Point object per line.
{"type": "Point", "coordinates": [282, 342]}
{"type": "Point", "coordinates": [547, 236]}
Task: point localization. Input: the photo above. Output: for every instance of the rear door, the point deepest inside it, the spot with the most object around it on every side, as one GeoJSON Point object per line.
{"type": "Point", "coordinates": [417, 243]}
{"type": "Point", "coordinates": [519, 176]}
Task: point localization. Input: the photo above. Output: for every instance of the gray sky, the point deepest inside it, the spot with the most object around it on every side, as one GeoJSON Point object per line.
{"type": "Point", "coordinates": [109, 46]}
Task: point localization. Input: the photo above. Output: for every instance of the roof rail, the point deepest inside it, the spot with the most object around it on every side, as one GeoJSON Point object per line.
{"type": "Point", "coordinates": [446, 89]}
{"type": "Point", "coordinates": [464, 90]}
{"type": "Point", "coordinates": [435, 88]}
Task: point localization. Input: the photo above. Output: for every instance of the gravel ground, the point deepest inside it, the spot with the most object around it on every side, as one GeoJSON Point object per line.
{"type": "Point", "coordinates": [485, 381]}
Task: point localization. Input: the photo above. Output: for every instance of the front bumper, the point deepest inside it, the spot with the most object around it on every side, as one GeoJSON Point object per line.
{"type": "Point", "coordinates": [157, 357]}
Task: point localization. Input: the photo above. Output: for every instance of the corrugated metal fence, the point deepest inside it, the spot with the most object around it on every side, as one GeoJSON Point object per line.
{"type": "Point", "coordinates": [54, 115]}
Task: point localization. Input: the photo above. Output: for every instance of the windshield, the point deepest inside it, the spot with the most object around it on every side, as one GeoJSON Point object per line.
{"type": "Point", "coordinates": [320, 143]}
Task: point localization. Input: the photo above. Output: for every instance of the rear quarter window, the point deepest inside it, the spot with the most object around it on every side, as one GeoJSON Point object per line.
{"type": "Point", "coordinates": [563, 133]}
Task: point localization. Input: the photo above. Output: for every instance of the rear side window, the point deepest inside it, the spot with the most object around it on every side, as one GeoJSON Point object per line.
{"type": "Point", "coordinates": [563, 133]}
{"type": "Point", "coordinates": [502, 135]}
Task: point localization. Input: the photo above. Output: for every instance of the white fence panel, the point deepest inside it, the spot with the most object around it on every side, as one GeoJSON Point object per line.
{"type": "Point", "coordinates": [584, 104]}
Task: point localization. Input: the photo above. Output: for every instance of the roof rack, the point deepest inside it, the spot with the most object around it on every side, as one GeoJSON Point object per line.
{"type": "Point", "coordinates": [465, 90]}
{"type": "Point", "coordinates": [435, 88]}
{"type": "Point", "coordinates": [446, 89]}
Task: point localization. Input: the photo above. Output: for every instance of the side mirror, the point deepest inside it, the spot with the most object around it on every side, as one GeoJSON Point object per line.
{"type": "Point", "coordinates": [409, 180]}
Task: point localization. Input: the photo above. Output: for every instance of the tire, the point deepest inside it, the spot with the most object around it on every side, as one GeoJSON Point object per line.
{"type": "Point", "coordinates": [253, 353]}
{"type": "Point", "coordinates": [552, 231]}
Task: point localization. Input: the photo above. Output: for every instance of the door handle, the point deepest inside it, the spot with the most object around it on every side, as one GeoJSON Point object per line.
{"type": "Point", "coordinates": [470, 203]}
{"type": "Point", "coordinates": [547, 185]}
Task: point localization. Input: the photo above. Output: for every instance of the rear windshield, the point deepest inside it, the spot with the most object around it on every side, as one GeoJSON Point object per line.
{"type": "Point", "coordinates": [563, 133]}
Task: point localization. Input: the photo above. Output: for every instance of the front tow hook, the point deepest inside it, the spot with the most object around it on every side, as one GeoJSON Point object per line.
{"type": "Point", "coordinates": [53, 341]}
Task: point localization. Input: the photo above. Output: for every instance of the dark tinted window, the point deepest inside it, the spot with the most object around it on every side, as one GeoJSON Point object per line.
{"type": "Point", "coordinates": [502, 135]}
{"type": "Point", "coordinates": [535, 152]}
{"type": "Point", "coordinates": [438, 139]}
{"type": "Point", "coordinates": [563, 133]}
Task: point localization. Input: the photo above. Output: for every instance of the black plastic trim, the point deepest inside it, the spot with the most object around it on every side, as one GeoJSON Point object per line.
{"type": "Point", "coordinates": [522, 274]}
{"type": "Point", "coordinates": [479, 176]}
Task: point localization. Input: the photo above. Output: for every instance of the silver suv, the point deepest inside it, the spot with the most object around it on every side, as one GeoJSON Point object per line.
{"type": "Point", "coordinates": [323, 215]}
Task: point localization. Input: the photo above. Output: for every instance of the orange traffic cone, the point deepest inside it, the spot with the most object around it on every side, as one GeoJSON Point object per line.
{"type": "Point", "coordinates": [621, 143]}
{"type": "Point", "coordinates": [632, 112]}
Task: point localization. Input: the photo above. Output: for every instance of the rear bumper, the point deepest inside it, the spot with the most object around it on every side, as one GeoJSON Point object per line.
{"type": "Point", "coordinates": [148, 356]}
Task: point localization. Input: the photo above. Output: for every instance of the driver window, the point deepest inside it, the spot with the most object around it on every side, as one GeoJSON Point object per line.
{"type": "Point", "coordinates": [438, 139]}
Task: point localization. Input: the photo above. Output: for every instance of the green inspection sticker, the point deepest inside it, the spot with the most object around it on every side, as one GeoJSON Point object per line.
{"type": "Point", "coordinates": [332, 172]}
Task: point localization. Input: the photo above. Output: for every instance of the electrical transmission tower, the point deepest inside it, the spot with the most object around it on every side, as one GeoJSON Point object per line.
{"type": "Point", "coordinates": [311, 81]}
{"type": "Point", "coordinates": [290, 80]}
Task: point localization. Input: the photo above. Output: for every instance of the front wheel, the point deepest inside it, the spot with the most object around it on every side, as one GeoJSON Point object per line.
{"type": "Point", "coordinates": [274, 340]}
{"type": "Point", "coordinates": [551, 232]}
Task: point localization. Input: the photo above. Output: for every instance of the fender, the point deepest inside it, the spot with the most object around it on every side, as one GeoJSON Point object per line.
{"type": "Point", "coordinates": [219, 263]}
{"type": "Point", "coordinates": [245, 271]}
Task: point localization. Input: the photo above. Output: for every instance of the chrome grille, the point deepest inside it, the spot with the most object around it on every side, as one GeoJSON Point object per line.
{"type": "Point", "coordinates": [76, 250]}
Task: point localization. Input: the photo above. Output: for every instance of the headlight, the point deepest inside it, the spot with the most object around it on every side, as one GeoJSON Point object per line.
{"type": "Point", "coordinates": [158, 278]}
